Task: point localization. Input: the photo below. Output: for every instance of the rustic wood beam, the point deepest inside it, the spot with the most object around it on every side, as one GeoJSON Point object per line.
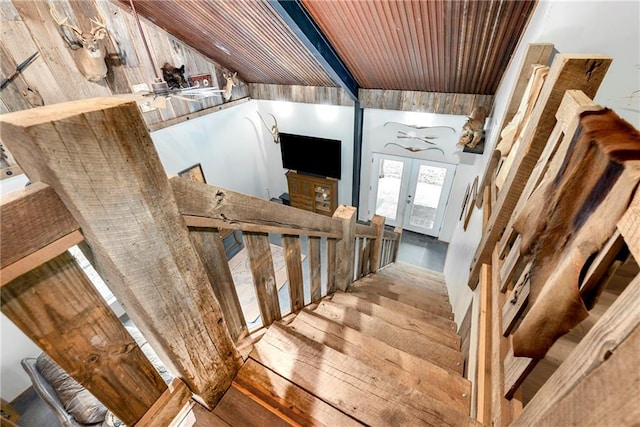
{"type": "Point", "coordinates": [264, 276]}
{"type": "Point", "coordinates": [58, 307]}
{"type": "Point", "coordinates": [378, 222]}
{"type": "Point", "coordinates": [345, 247]}
{"type": "Point", "coordinates": [180, 119]}
{"type": "Point", "coordinates": [302, 94]}
{"type": "Point", "coordinates": [580, 72]}
{"type": "Point", "coordinates": [98, 157]}
{"type": "Point", "coordinates": [209, 206]}
{"type": "Point", "coordinates": [426, 102]}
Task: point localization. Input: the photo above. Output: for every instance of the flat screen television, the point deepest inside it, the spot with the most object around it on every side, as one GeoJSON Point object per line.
{"type": "Point", "coordinates": [311, 155]}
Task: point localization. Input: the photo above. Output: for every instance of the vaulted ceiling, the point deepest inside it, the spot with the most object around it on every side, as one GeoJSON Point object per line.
{"type": "Point", "coordinates": [431, 45]}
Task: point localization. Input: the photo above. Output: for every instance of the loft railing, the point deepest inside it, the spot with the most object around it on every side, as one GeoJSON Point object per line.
{"type": "Point", "coordinates": [597, 365]}
{"type": "Point", "coordinates": [156, 244]}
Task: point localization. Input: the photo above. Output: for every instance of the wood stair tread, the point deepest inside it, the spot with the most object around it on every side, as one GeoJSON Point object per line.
{"type": "Point", "coordinates": [285, 399]}
{"type": "Point", "coordinates": [410, 287]}
{"type": "Point", "coordinates": [403, 295]}
{"type": "Point", "coordinates": [439, 383]}
{"type": "Point", "coordinates": [418, 345]}
{"type": "Point", "coordinates": [445, 323]}
{"type": "Point", "coordinates": [404, 270]}
{"type": "Point", "coordinates": [348, 384]}
{"type": "Point", "coordinates": [447, 337]}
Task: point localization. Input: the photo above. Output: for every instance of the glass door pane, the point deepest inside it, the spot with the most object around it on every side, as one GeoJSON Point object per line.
{"type": "Point", "coordinates": [427, 197]}
{"type": "Point", "coordinates": [390, 182]}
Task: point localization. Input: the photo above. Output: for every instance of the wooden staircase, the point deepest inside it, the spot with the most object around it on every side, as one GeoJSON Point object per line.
{"type": "Point", "coordinates": [384, 353]}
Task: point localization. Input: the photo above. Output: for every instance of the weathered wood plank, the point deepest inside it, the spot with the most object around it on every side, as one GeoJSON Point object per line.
{"type": "Point", "coordinates": [39, 257]}
{"type": "Point", "coordinates": [264, 276]}
{"type": "Point", "coordinates": [284, 398]}
{"type": "Point", "coordinates": [427, 102]}
{"type": "Point", "coordinates": [210, 247]}
{"type": "Point", "coordinates": [580, 72]}
{"type": "Point", "coordinates": [238, 409]}
{"type": "Point", "coordinates": [331, 265]}
{"type": "Point", "coordinates": [448, 338]}
{"type": "Point", "coordinates": [398, 293]}
{"type": "Point", "coordinates": [32, 218]}
{"type": "Point", "coordinates": [315, 266]}
{"type": "Point", "coordinates": [502, 410]}
{"type": "Point", "coordinates": [363, 230]}
{"type": "Point", "coordinates": [404, 283]}
{"type": "Point", "coordinates": [483, 388]}
{"type": "Point", "coordinates": [98, 157]}
{"type": "Point", "coordinates": [432, 280]}
{"type": "Point", "coordinates": [607, 396]}
{"type": "Point", "coordinates": [629, 226]}
{"type": "Point", "coordinates": [536, 53]}
{"type": "Point", "coordinates": [420, 346]}
{"type": "Point", "coordinates": [510, 264]}
{"type": "Point", "coordinates": [594, 350]}
{"type": "Point", "coordinates": [348, 384]}
{"type": "Point", "coordinates": [516, 302]}
{"type": "Point", "coordinates": [345, 247]}
{"type": "Point", "coordinates": [210, 206]}
{"type": "Point", "coordinates": [293, 257]}
{"type": "Point", "coordinates": [168, 405]}
{"type": "Point", "coordinates": [378, 222]}
{"type": "Point", "coordinates": [60, 310]}
{"type": "Point", "coordinates": [193, 115]}
{"type": "Point", "coordinates": [305, 94]}
{"type": "Point", "coordinates": [437, 382]}
{"type": "Point", "coordinates": [516, 370]}
{"type": "Point", "coordinates": [445, 323]}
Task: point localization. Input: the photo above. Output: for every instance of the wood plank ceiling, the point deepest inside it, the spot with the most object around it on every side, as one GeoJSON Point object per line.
{"type": "Point", "coordinates": [432, 46]}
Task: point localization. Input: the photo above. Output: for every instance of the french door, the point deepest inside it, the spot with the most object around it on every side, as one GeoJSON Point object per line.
{"type": "Point", "coordinates": [411, 193]}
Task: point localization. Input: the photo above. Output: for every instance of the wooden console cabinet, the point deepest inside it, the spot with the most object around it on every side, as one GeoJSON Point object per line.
{"type": "Point", "coordinates": [313, 193]}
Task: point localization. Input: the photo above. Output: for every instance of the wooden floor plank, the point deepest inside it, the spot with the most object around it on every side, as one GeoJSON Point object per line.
{"type": "Point", "coordinates": [406, 309]}
{"type": "Point", "coordinates": [399, 294]}
{"type": "Point", "coordinates": [238, 410]}
{"type": "Point", "coordinates": [289, 401]}
{"type": "Point", "coordinates": [417, 345]}
{"type": "Point", "coordinates": [439, 383]}
{"type": "Point", "coordinates": [348, 384]}
{"type": "Point", "coordinates": [448, 338]}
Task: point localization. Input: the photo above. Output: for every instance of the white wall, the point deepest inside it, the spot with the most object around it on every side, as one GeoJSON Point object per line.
{"type": "Point", "coordinates": [322, 121]}
{"type": "Point", "coordinates": [376, 135]}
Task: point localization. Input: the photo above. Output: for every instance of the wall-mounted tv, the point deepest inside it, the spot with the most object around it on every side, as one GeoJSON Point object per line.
{"type": "Point", "coordinates": [311, 155]}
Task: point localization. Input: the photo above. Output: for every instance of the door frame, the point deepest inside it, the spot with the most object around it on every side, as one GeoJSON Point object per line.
{"type": "Point", "coordinates": [408, 165]}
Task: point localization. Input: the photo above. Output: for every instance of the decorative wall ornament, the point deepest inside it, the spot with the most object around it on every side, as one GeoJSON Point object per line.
{"type": "Point", "coordinates": [422, 127]}
{"type": "Point", "coordinates": [174, 76]}
{"type": "Point", "coordinates": [414, 149]}
{"type": "Point", "coordinates": [275, 133]}
{"type": "Point", "coordinates": [89, 56]}
{"type": "Point", "coordinates": [472, 130]}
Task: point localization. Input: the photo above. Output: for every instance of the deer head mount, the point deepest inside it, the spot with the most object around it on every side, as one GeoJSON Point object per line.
{"type": "Point", "coordinates": [89, 55]}
{"type": "Point", "coordinates": [228, 87]}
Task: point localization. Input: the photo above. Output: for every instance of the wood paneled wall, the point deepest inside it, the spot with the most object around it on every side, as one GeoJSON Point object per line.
{"type": "Point", "coordinates": [425, 102]}
{"type": "Point", "coordinates": [304, 94]}
{"type": "Point", "coordinates": [28, 27]}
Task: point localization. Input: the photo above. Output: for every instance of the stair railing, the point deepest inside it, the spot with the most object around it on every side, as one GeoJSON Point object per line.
{"type": "Point", "coordinates": [155, 242]}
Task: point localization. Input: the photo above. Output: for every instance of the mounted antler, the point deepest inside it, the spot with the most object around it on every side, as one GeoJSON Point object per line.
{"type": "Point", "coordinates": [275, 133]}
{"type": "Point", "coordinates": [91, 58]}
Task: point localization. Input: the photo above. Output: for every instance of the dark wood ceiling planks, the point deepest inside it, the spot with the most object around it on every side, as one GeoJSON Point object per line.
{"type": "Point", "coordinates": [246, 36]}
{"type": "Point", "coordinates": [433, 46]}
{"type": "Point", "coordinates": [442, 46]}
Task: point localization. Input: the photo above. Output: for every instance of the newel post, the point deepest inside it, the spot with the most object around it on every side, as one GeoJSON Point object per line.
{"type": "Point", "coordinates": [345, 247]}
{"type": "Point", "coordinates": [99, 158]}
{"type": "Point", "coordinates": [378, 222]}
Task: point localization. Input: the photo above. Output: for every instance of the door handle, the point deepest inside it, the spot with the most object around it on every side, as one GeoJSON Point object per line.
{"type": "Point", "coordinates": [409, 199]}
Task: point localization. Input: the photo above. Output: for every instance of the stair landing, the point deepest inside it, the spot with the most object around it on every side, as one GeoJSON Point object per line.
{"type": "Point", "coordinates": [385, 353]}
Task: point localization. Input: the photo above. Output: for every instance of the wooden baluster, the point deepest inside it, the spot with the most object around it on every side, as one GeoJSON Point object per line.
{"type": "Point", "coordinates": [209, 246]}
{"type": "Point", "coordinates": [359, 261]}
{"type": "Point", "coordinates": [331, 265]}
{"type": "Point", "coordinates": [98, 157]}
{"type": "Point", "coordinates": [264, 276]}
{"type": "Point", "coordinates": [60, 310]}
{"type": "Point", "coordinates": [378, 222]}
{"type": "Point", "coordinates": [293, 258]}
{"type": "Point", "coordinates": [345, 246]}
{"type": "Point", "coordinates": [315, 268]}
